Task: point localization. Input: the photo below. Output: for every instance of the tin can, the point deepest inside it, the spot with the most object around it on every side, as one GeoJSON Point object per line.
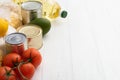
{"type": "Point", "coordinates": [1, 57]}
{"type": "Point", "coordinates": [34, 35]}
{"type": "Point", "coordinates": [31, 10]}
{"type": "Point", "coordinates": [15, 43]}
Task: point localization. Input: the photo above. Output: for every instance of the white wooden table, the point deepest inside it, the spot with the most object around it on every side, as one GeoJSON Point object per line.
{"type": "Point", "coordinates": [85, 45]}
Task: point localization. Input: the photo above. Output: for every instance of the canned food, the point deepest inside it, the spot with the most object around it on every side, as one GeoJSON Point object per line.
{"type": "Point", "coordinates": [31, 10]}
{"type": "Point", "coordinates": [34, 35]}
{"type": "Point", "coordinates": [15, 43]}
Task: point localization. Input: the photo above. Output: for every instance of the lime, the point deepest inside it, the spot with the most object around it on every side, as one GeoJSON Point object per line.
{"type": "Point", "coordinates": [43, 23]}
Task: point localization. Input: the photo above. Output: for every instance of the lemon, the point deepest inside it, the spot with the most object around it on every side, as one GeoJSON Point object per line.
{"type": "Point", "coordinates": [3, 27]}
{"type": "Point", "coordinates": [43, 23]}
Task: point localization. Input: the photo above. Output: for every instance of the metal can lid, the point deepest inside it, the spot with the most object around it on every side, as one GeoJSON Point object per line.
{"type": "Point", "coordinates": [15, 38]}
{"type": "Point", "coordinates": [31, 5]}
{"type": "Point", "coordinates": [31, 31]}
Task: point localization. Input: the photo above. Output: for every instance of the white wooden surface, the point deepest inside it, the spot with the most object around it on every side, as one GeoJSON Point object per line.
{"type": "Point", "coordinates": [85, 45]}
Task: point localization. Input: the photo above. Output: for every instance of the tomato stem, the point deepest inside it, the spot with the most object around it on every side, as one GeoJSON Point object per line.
{"type": "Point", "coordinates": [31, 58]}
{"type": "Point", "coordinates": [15, 63]}
{"type": "Point", "coordinates": [25, 78]}
{"type": "Point", "coordinates": [8, 73]}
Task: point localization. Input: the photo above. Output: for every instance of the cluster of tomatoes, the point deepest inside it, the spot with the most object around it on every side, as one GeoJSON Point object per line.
{"type": "Point", "coordinates": [20, 66]}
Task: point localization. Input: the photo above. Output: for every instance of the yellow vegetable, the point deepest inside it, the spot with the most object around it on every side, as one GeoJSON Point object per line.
{"type": "Point", "coordinates": [3, 27]}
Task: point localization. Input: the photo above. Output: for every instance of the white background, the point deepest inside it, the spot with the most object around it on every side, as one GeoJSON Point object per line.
{"type": "Point", "coordinates": [85, 45]}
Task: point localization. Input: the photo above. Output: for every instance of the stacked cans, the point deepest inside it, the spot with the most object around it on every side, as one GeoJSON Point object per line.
{"type": "Point", "coordinates": [28, 36]}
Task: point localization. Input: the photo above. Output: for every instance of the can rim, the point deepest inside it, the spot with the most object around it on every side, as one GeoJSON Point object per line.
{"type": "Point", "coordinates": [31, 1]}
{"type": "Point", "coordinates": [14, 43]}
{"type": "Point", "coordinates": [38, 48]}
{"type": "Point", "coordinates": [29, 25]}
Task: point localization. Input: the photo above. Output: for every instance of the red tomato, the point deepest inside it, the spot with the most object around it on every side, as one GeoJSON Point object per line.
{"type": "Point", "coordinates": [11, 60]}
{"type": "Point", "coordinates": [25, 71]}
{"type": "Point", "coordinates": [32, 55]}
{"type": "Point", "coordinates": [7, 74]}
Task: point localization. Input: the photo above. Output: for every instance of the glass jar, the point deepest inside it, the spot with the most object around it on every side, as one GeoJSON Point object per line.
{"type": "Point", "coordinates": [51, 9]}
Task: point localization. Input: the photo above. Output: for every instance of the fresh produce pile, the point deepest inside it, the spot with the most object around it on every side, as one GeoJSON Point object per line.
{"type": "Point", "coordinates": [20, 66]}
{"type": "Point", "coordinates": [15, 66]}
